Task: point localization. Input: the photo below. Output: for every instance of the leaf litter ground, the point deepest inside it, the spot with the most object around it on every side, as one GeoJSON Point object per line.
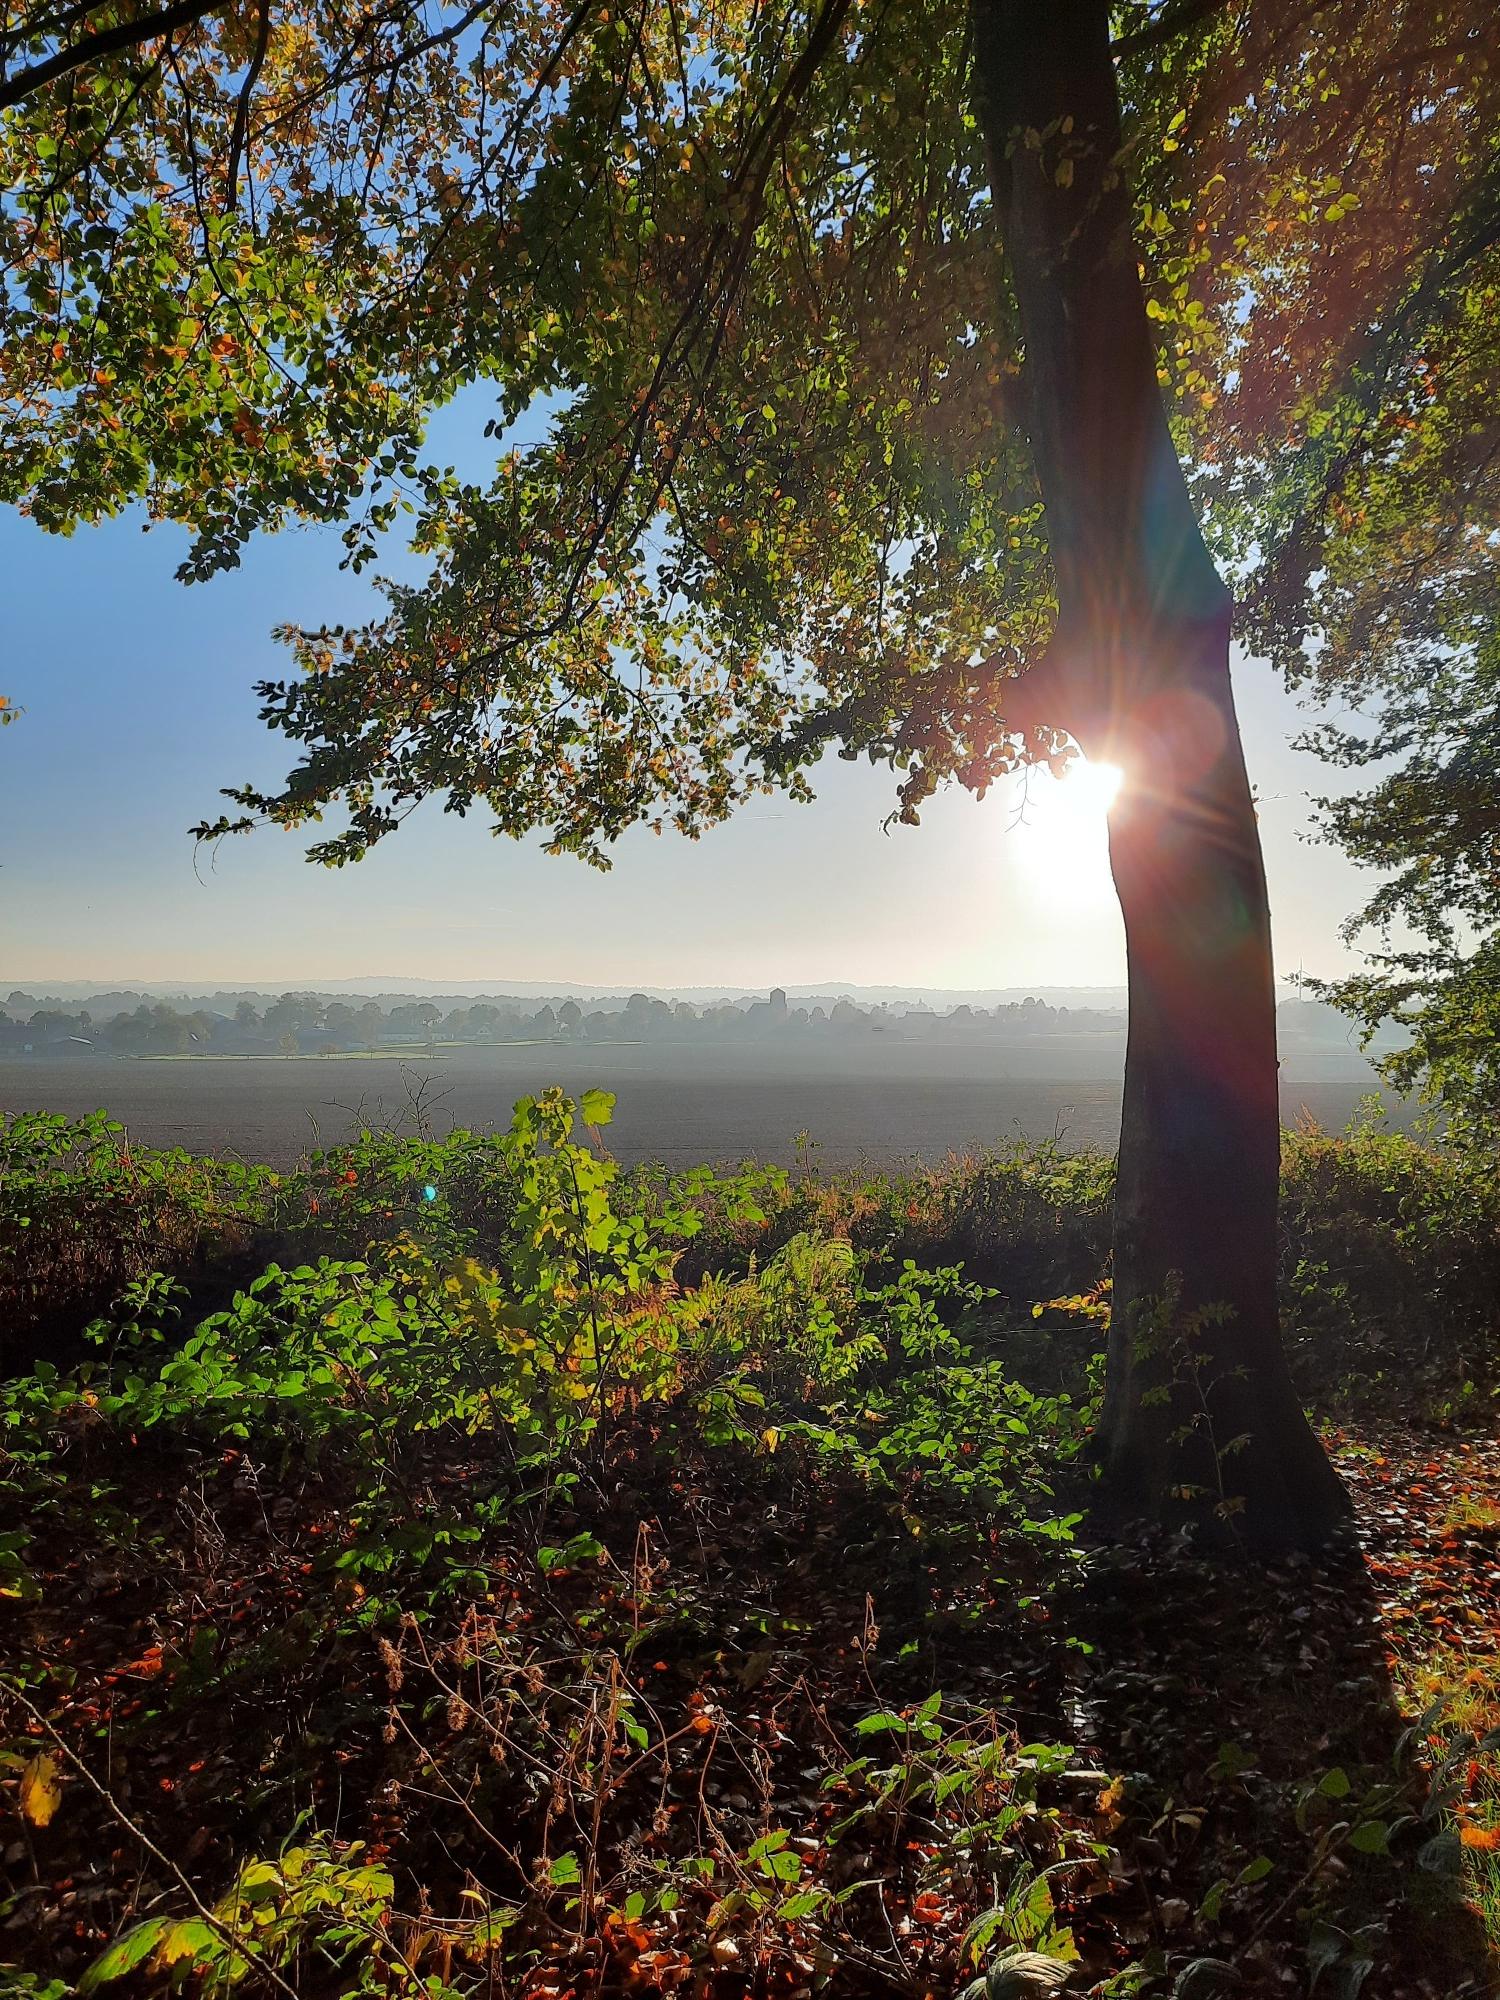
{"type": "Point", "coordinates": [736, 1734]}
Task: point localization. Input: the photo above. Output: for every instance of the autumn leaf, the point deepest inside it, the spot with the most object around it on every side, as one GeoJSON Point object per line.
{"type": "Point", "coordinates": [41, 1789]}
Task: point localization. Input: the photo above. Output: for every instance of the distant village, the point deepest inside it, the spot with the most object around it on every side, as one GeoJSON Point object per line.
{"type": "Point", "coordinates": [115, 1025]}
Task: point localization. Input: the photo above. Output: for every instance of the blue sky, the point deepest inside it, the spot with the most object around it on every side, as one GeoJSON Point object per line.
{"type": "Point", "coordinates": [137, 692]}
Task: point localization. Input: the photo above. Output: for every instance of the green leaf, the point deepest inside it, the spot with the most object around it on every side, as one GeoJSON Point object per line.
{"type": "Point", "coordinates": [596, 1107]}
{"type": "Point", "coordinates": [1442, 1855]}
{"type": "Point", "coordinates": [582, 1548]}
{"type": "Point", "coordinates": [1019, 1974]}
{"type": "Point", "coordinates": [124, 1955]}
{"type": "Point", "coordinates": [1325, 1949]}
{"type": "Point", "coordinates": [192, 1939]}
{"type": "Point", "coordinates": [1205, 1979]}
{"type": "Point", "coordinates": [804, 1904]}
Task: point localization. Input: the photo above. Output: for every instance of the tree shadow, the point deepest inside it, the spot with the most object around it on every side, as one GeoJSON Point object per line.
{"type": "Point", "coordinates": [1252, 1711]}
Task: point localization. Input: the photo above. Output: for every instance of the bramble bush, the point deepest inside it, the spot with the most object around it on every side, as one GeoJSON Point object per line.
{"type": "Point", "coordinates": [1390, 1247]}
{"type": "Point", "coordinates": [1391, 1270]}
{"type": "Point", "coordinates": [522, 1282]}
{"type": "Point", "coordinates": [367, 1367]}
{"type": "Point", "coordinates": [83, 1212]}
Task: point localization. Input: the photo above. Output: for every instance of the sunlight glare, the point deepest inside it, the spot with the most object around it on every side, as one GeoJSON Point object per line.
{"type": "Point", "coordinates": [1098, 784]}
{"type": "Point", "coordinates": [1061, 834]}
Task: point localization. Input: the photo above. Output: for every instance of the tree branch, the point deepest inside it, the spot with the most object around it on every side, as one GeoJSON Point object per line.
{"type": "Point", "coordinates": [240, 138]}
{"type": "Point", "coordinates": [123, 35]}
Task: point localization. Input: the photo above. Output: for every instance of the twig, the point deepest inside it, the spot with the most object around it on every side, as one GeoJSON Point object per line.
{"type": "Point", "coordinates": [219, 1928]}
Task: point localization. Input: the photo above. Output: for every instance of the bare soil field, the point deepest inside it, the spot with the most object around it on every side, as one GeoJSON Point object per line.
{"type": "Point", "coordinates": [879, 1100]}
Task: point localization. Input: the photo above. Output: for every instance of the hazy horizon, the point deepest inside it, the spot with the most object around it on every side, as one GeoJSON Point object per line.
{"type": "Point", "coordinates": [375, 984]}
{"type": "Point", "coordinates": [138, 705]}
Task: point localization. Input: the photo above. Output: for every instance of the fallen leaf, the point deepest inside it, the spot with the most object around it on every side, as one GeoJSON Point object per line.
{"type": "Point", "coordinates": [41, 1789]}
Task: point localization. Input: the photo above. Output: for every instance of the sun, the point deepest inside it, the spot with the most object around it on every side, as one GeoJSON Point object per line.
{"type": "Point", "coordinates": [1095, 787]}
{"type": "Point", "coordinates": [1061, 833]}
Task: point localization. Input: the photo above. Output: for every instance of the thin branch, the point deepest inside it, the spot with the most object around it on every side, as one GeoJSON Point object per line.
{"type": "Point", "coordinates": [34, 30]}
{"type": "Point", "coordinates": [1166, 27]}
{"type": "Point", "coordinates": [241, 134]}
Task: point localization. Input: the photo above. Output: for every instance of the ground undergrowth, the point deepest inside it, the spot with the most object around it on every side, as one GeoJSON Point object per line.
{"type": "Point", "coordinates": [537, 1580]}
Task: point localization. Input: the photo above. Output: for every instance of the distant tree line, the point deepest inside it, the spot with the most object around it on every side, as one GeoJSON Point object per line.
{"type": "Point", "coordinates": [311, 1023]}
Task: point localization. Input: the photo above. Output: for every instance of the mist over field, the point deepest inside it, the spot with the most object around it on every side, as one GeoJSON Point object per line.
{"type": "Point", "coordinates": [850, 1075]}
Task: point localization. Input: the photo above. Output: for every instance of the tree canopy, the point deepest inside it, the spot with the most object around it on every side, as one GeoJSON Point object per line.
{"type": "Point", "coordinates": [1364, 508]}
{"type": "Point", "coordinates": [740, 264]}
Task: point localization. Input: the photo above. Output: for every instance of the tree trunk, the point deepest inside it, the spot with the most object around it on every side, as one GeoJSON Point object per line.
{"type": "Point", "coordinates": [1199, 1407]}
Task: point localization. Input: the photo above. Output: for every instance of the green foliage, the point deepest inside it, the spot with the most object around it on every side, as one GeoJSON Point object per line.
{"type": "Point", "coordinates": [549, 1491]}
{"type": "Point", "coordinates": [1031, 1218]}
{"type": "Point", "coordinates": [1026, 1219]}
{"type": "Point", "coordinates": [1429, 826]}
{"type": "Point", "coordinates": [575, 1353]}
{"type": "Point", "coordinates": [1364, 520]}
{"type": "Point", "coordinates": [452, 1196]}
{"type": "Point", "coordinates": [237, 281]}
{"type": "Point", "coordinates": [317, 1904]}
{"type": "Point", "coordinates": [1391, 1268]}
{"type": "Point", "coordinates": [83, 1213]}
{"type": "Point", "coordinates": [1390, 1264]}
{"type": "Point", "coordinates": [369, 1369]}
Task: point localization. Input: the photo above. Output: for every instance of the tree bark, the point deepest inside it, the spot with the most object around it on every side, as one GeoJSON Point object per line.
{"type": "Point", "coordinates": [1199, 1409]}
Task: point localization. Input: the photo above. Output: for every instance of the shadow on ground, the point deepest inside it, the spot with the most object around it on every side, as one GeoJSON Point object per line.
{"type": "Point", "coordinates": [1253, 1715]}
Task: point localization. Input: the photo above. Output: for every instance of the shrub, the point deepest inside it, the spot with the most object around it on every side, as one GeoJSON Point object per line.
{"type": "Point", "coordinates": [1391, 1267]}
{"type": "Point", "coordinates": [83, 1213]}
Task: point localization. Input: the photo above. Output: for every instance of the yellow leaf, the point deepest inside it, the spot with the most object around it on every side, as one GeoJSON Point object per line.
{"type": "Point", "coordinates": [189, 1940]}
{"type": "Point", "coordinates": [1064, 174]}
{"type": "Point", "coordinates": [41, 1792]}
